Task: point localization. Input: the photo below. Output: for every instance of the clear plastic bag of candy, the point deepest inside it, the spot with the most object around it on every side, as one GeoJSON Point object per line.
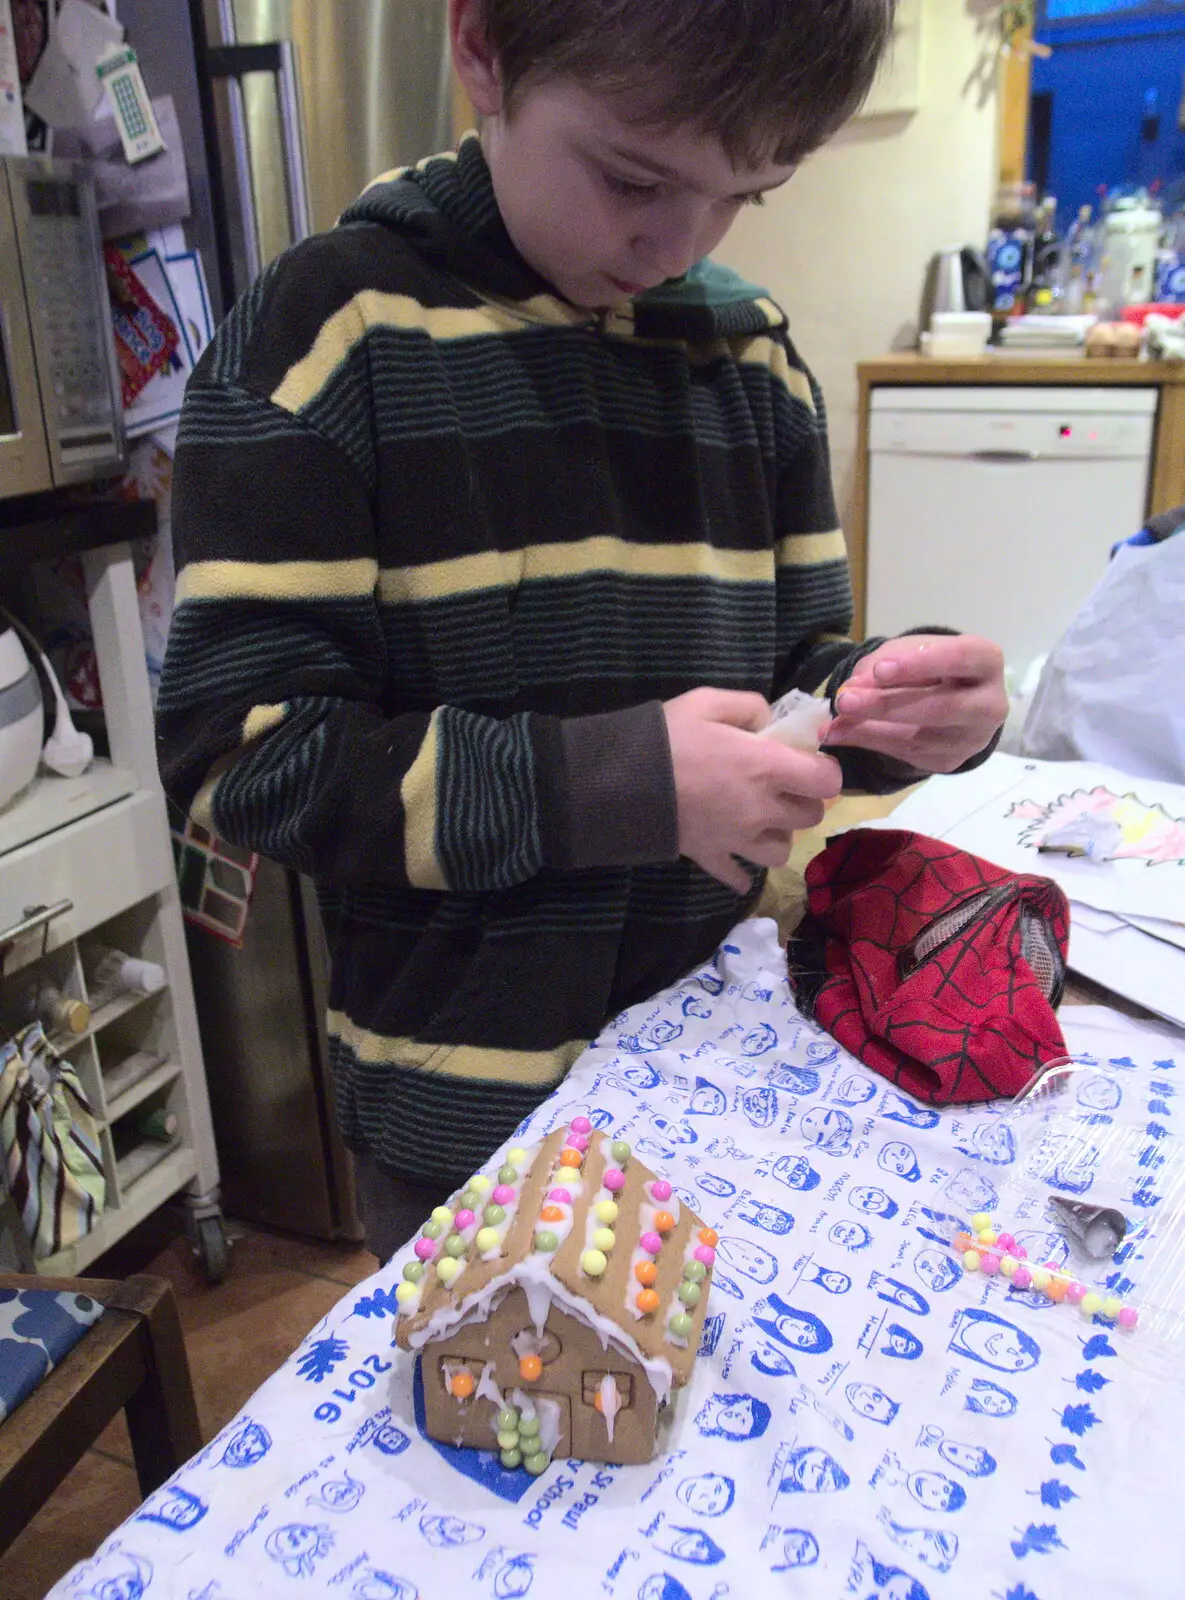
{"type": "Point", "coordinates": [1075, 1191]}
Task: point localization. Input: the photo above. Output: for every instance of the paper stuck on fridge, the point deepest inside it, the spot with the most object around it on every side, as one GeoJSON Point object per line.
{"type": "Point", "coordinates": [12, 111]}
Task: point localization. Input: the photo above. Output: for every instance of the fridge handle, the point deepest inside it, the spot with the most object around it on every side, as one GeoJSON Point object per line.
{"type": "Point", "coordinates": [296, 171]}
{"type": "Point", "coordinates": [244, 183]}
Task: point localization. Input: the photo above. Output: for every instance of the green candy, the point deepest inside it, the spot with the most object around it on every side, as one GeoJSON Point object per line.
{"type": "Point", "coordinates": [689, 1293]}
{"type": "Point", "coordinates": [537, 1464]}
{"type": "Point", "coordinates": [470, 1200]}
{"type": "Point", "coordinates": [680, 1324]}
{"type": "Point", "coordinates": [413, 1271]}
{"type": "Point", "coordinates": [508, 1439]}
{"type": "Point", "coordinates": [493, 1215]}
{"type": "Point", "coordinates": [454, 1245]}
{"type": "Point", "coordinates": [508, 1420]}
{"type": "Point", "coordinates": [547, 1241]}
{"type": "Point", "coordinates": [621, 1152]}
{"type": "Point", "coordinates": [511, 1459]}
{"type": "Point", "coordinates": [528, 1428]}
{"type": "Point", "coordinates": [432, 1229]}
{"type": "Point", "coordinates": [693, 1271]}
{"type": "Point", "coordinates": [507, 1174]}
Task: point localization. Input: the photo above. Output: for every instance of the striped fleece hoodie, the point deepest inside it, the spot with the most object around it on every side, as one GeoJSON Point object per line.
{"type": "Point", "coordinates": [445, 544]}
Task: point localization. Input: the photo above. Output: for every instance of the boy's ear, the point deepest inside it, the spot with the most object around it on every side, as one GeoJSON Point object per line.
{"type": "Point", "coordinates": [474, 57]}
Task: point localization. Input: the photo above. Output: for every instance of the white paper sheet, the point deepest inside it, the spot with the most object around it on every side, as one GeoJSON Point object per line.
{"type": "Point", "coordinates": [12, 113]}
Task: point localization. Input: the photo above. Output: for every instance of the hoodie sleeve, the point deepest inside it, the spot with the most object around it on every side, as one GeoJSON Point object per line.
{"type": "Point", "coordinates": [274, 723]}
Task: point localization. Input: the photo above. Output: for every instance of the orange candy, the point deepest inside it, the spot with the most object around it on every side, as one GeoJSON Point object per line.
{"type": "Point", "coordinates": [530, 1369]}
{"type": "Point", "coordinates": [570, 1158]}
{"type": "Point", "coordinates": [663, 1222]}
{"type": "Point", "coordinates": [963, 1241]}
{"type": "Point", "coordinates": [647, 1302]}
{"type": "Point", "coordinates": [551, 1214]}
{"type": "Point", "coordinates": [710, 1237]}
{"type": "Point", "coordinates": [462, 1385]}
{"type": "Point", "coordinates": [646, 1272]}
{"type": "Point", "coordinates": [598, 1402]}
{"type": "Point", "coordinates": [1057, 1288]}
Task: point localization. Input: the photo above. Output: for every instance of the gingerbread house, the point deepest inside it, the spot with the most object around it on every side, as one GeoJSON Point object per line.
{"type": "Point", "coordinates": [555, 1311]}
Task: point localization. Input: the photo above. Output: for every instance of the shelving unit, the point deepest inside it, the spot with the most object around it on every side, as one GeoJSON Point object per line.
{"type": "Point", "coordinates": [102, 843]}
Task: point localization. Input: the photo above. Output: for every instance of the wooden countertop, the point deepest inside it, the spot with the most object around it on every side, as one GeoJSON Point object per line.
{"type": "Point", "coordinates": [908, 366]}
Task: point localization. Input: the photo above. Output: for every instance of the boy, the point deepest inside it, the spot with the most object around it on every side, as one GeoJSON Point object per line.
{"type": "Point", "coordinates": [499, 521]}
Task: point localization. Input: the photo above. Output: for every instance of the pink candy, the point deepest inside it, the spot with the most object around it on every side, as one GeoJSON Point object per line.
{"type": "Point", "coordinates": [651, 1243]}
{"type": "Point", "coordinates": [503, 1194]}
{"type": "Point", "coordinates": [463, 1219]}
{"type": "Point", "coordinates": [660, 1189]}
{"type": "Point", "coordinates": [614, 1179]}
{"type": "Point", "coordinates": [989, 1262]}
{"type": "Point", "coordinates": [1076, 1293]}
{"type": "Point", "coordinates": [1019, 1251]}
{"type": "Point", "coordinates": [705, 1253]}
{"type": "Point", "coordinates": [578, 1141]}
{"type": "Point", "coordinates": [1006, 1243]}
{"type": "Point", "coordinates": [1022, 1277]}
{"type": "Point", "coordinates": [581, 1125]}
{"type": "Point", "coordinates": [425, 1249]}
{"type": "Point", "coordinates": [1128, 1317]}
{"type": "Point", "coordinates": [562, 1197]}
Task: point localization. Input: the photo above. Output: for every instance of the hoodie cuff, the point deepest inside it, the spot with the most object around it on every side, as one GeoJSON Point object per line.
{"type": "Point", "coordinates": [614, 805]}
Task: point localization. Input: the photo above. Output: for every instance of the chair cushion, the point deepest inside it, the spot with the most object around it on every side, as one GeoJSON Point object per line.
{"type": "Point", "coordinates": [38, 1329]}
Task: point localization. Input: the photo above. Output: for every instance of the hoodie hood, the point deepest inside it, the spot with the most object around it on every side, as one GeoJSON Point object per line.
{"type": "Point", "coordinates": [446, 208]}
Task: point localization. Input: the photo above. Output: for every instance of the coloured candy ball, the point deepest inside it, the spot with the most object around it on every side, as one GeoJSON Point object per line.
{"type": "Point", "coordinates": [425, 1249]}
{"type": "Point", "coordinates": [1019, 1251]}
{"type": "Point", "coordinates": [454, 1245]}
{"type": "Point", "coordinates": [680, 1324]}
{"type": "Point", "coordinates": [528, 1428]}
{"type": "Point", "coordinates": [646, 1272]}
{"type": "Point", "coordinates": [462, 1385]}
{"type": "Point", "coordinates": [705, 1253]}
{"type": "Point", "coordinates": [1006, 1241]}
{"type": "Point", "coordinates": [1057, 1287]}
{"type": "Point", "coordinates": [695, 1271]}
{"type": "Point", "coordinates": [546, 1241]}
{"type": "Point", "coordinates": [508, 1173]}
{"type": "Point", "coordinates": [443, 1215]}
{"type": "Point", "coordinates": [651, 1243]}
{"type": "Point", "coordinates": [1128, 1317]}
{"type": "Point", "coordinates": [604, 1239]}
{"type": "Point", "coordinates": [989, 1262]}
{"type": "Point", "coordinates": [971, 1260]}
{"type": "Point", "coordinates": [511, 1459]}
{"type": "Point", "coordinates": [689, 1293]}
{"type": "Point", "coordinates": [1112, 1306]}
{"type": "Point", "coordinates": [487, 1240]}
{"type": "Point", "coordinates": [551, 1214]}
{"type": "Point", "coordinates": [660, 1190]}
{"type": "Point", "coordinates": [479, 1183]}
{"type": "Point", "coordinates": [503, 1194]}
{"type": "Point", "coordinates": [647, 1302]}
{"type": "Point", "coordinates": [433, 1229]}
{"type": "Point", "coordinates": [708, 1237]}
{"type": "Point", "coordinates": [530, 1369]}
{"type": "Point", "coordinates": [570, 1157]}
{"type": "Point", "coordinates": [593, 1263]}
{"type": "Point", "coordinates": [447, 1269]}
{"type": "Point", "coordinates": [606, 1212]}
{"type": "Point", "coordinates": [981, 1220]}
{"type": "Point", "coordinates": [407, 1294]}
{"type": "Point", "coordinates": [1022, 1277]}
{"type": "Point", "coordinates": [470, 1201]}
{"type": "Point", "coordinates": [508, 1419]}
{"type": "Point", "coordinates": [413, 1271]}
{"type": "Point", "coordinates": [508, 1439]}
{"type": "Point", "coordinates": [962, 1241]}
{"type": "Point", "coordinates": [538, 1464]}
{"type": "Point", "coordinates": [663, 1222]}
{"type": "Point", "coordinates": [578, 1141]}
{"type": "Point", "coordinates": [620, 1152]}
{"type": "Point", "coordinates": [517, 1156]}
{"type": "Point", "coordinates": [580, 1125]}
{"type": "Point", "coordinates": [1040, 1278]}
{"type": "Point", "coordinates": [561, 1197]}
{"type": "Point", "coordinates": [1091, 1303]}
{"type": "Point", "coordinates": [614, 1180]}
{"type": "Point", "coordinates": [493, 1215]}
{"type": "Point", "coordinates": [1076, 1293]}
{"type": "Point", "coordinates": [987, 1236]}
{"type": "Point", "coordinates": [464, 1219]}
{"type": "Point", "coordinates": [1008, 1265]}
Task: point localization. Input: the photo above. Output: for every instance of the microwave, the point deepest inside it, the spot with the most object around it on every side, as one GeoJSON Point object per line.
{"type": "Point", "coordinates": [61, 414]}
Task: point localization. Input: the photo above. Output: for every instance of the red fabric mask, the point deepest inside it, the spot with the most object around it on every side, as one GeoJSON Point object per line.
{"type": "Point", "coordinates": [937, 969]}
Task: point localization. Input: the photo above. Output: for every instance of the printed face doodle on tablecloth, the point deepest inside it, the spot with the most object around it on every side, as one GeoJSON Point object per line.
{"type": "Point", "coordinates": [992, 1142]}
{"type": "Point", "coordinates": [298, 1546]}
{"type": "Point", "coordinates": [805, 1399]}
{"type": "Point", "coordinates": [828, 1131]}
{"type": "Point", "coordinates": [853, 1091]}
{"type": "Point", "coordinates": [936, 1269]}
{"type": "Point", "coordinates": [117, 1575]}
{"type": "Point", "coordinates": [758, 1040]}
{"type": "Point", "coordinates": [719, 1188]}
{"type": "Point", "coordinates": [770, 1219]}
{"type": "Point", "coordinates": [984, 1337]}
{"type": "Point", "coordinates": [748, 1259]}
{"type": "Point", "coordinates": [760, 1107]}
{"type": "Point", "coordinates": [867, 1401]}
{"type": "Point", "coordinates": [375, 1585]}
{"type": "Point", "coordinates": [874, 1580]}
{"type": "Point", "coordinates": [795, 1172]}
{"type": "Point", "coordinates": [773, 1362]}
{"type": "Point", "coordinates": [692, 1545]}
{"type": "Point", "coordinates": [851, 1236]}
{"type": "Point", "coordinates": [653, 1037]}
{"type": "Point", "coordinates": [173, 1507]}
{"type": "Point", "coordinates": [972, 1190]}
{"type": "Point", "coordinates": [799, 1549]}
{"type": "Point", "coordinates": [799, 1080]}
{"type": "Point", "coordinates": [933, 1491]}
{"type": "Point", "coordinates": [675, 1133]}
{"type": "Point", "coordinates": [899, 1294]}
{"type": "Point", "coordinates": [896, 1108]}
{"type": "Point", "coordinates": [707, 1100]}
{"type": "Point", "coordinates": [970, 1459]}
{"type": "Point", "coordinates": [898, 1158]}
{"type": "Point", "coordinates": [899, 1343]}
{"type": "Point", "coordinates": [809, 1470]}
{"type": "Point", "coordinates": [695, 1006]}
{"type": "Point", "coordinates": [247, 1445]}
{"type": "Point", "coordinates": [1097, 1093]}
{"type": "Point", "coordinates": [339, 1494]}
{"type": "Point", "coordinates": [984, 1399]}
{"type": "Point", "coordinates": [448, 1533]}
{"type": "Point", "coordinates": [662, 1587]}
{"type": "Point", "coordinates": [933, 1547]}
{"type": "Point", "coordinates": [797, 1330]}
{"type": "Point", "coordinates": [828, 1279]}
{"type": "Point", "coordinates": [708, 1494]}
{"type": "Point", "coordinates": [514, 1578]}
{"type": "Point", "coordinates": [733, 1416]}
{"type": "Point", "coordinates": [871, 1201]}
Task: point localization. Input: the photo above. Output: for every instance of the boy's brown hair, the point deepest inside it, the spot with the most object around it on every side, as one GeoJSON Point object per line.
{"type": "Point", "coordinates": [771, 79]}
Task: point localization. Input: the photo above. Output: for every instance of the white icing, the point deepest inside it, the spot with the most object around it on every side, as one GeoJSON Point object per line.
{"type": "Point", "coordinates": [632, 1285]}
{"type": "Point", "coordinates": [524, 1402]}
{"type": "Point", "coordinates": [527, 1342]}
{"type": "Point", "coordinates": [610, 1402]}
{"type": "Point", "coordinates": [549, 1413]}
{"type": "Point", "coordinates": [487, 1389]}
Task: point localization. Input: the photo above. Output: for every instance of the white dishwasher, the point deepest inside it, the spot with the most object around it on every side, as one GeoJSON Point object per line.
{"type": "Point", "coordinates": [994, 510]}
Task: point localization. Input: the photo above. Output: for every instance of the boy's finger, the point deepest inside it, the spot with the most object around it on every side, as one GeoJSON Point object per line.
{"type": "Point", "coordinates": [737, 707]}
{"type": "Point", "coordinates": [798, 772]}
{"type": "Point", "coordinates": [898, 739]}
{"type": "Point", "coordinates": [923, 703]}
{"type": "Point", "coordinates": [935, 658]}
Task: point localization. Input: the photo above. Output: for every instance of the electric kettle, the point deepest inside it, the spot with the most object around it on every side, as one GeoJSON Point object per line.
{"type": "Point", "coordinates": [957, 280]}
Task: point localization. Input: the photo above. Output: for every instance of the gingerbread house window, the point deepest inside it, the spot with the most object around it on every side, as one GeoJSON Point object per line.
{"type": "Point", "coordinates": [459, 1375]}
{"type": "Point", "coordinates": [590, 1388]}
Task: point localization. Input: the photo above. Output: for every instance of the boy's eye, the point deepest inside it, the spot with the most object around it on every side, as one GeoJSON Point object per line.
{"type": "Point", "coordinates": [755, 199]}
{"type": "Point", "coordinates": [626, 189]}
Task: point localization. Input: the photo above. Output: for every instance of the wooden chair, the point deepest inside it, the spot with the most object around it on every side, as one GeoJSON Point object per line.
{"type": "Point", "coordinates": [132, 1358]}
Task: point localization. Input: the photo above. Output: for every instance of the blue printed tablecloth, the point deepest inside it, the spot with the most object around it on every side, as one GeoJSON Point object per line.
{"type": "Point", "coordinates": [863, 1421]}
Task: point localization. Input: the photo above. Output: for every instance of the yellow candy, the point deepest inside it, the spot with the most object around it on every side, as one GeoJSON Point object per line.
{"type": "Point", "coordinates": [1091, 1303]}
{"type": "Point", "coordinates": [987, 1236]}
{"type": "Point", "coordinates": [606, 1211]}
{"type": "Point", "coordinates": [604, 1239]}
{"type": "Point", "coordinates": [447, 1269]}
{"type": "Point", "coordinates": [593, 1262]}
{"type": "Point", "coordinates": [516, 1157]}
{"type": "Point", "coordinates": [1008, 1265]}
{"type": "Point", "coordinates": [480, 1183]}
{"type": "Point", "coordinates": [981, 1220]}
{"type": "Point", "coordinates": [971, 1260]}
{"type": "Point", "coordinates": [407, 1294]}
{"type": "Point", "coordinates": [487, 1240]}
{"type": "Point", "coordinates": [1040, 1279]}
{"type": "Point", "coordinates": [1112, 1306]}
{"type": "Point", "coordinates": [444, 1216]}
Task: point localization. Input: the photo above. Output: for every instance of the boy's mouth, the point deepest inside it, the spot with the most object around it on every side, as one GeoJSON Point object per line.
{"type": "Point", "coordinates": [629, 289]}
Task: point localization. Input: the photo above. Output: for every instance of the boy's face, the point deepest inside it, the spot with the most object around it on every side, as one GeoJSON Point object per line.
{"type": "Point", "coordinates": [604, 208]}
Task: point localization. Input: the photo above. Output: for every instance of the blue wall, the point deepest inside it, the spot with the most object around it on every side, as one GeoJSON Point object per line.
{"type": "Point", "coordinates": [1098, 77]}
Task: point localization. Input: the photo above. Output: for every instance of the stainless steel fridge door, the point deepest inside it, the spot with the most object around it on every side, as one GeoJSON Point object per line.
{"type": "Point", "coordinates": [375, 86]}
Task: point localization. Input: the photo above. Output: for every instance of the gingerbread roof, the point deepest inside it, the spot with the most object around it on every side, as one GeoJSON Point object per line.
{"type": "Point", "coordinates": [558, 1250]}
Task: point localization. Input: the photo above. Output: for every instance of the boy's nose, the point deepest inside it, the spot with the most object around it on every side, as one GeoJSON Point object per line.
{"type": "Point", "coordinates": [670, 253]}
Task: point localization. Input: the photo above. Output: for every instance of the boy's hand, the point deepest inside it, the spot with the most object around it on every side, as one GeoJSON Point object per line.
{"type": "Point", "coordinates": [930, 700]}
{"type": "Point", "coordinates": [737, 795]}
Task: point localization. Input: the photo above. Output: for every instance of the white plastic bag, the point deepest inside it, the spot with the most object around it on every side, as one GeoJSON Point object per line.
{"type": "Point", "coordinates": [1114, 688]}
